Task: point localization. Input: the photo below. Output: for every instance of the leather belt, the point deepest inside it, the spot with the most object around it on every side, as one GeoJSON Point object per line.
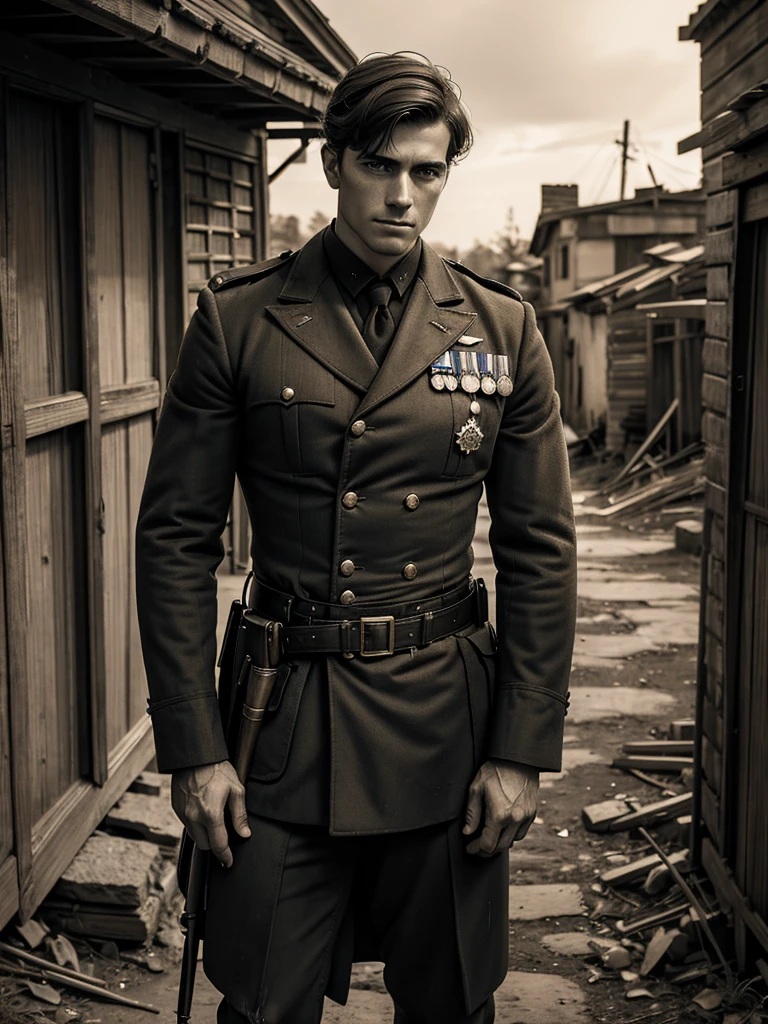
{"type": "Point", "coordinates": [375, 635]}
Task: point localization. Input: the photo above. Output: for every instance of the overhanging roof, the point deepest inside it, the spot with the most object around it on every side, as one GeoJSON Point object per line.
{"type": "Point", "coordinates": [207, 54]}
{"type": "Point", "coordinates": [547, 220]}
{"type": "Point", "coordinates": [688, 309]}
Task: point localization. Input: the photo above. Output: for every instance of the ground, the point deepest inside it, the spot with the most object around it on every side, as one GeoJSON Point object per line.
{"type": "Point", "coordinates": [634, 672]}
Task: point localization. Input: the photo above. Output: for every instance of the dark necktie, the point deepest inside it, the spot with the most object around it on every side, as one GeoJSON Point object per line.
{"type": "Point", "coordinates": [379, 327]}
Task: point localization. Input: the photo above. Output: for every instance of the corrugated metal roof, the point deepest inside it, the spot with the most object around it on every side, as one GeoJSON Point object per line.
{"type": "Point", "coordinates": [654, 276]}
{"type": "Point", "coordinates": [606, 284]}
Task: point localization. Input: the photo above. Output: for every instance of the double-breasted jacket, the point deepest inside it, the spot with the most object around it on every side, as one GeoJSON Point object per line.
{"type": "Point", "coordinates": [356, 486]}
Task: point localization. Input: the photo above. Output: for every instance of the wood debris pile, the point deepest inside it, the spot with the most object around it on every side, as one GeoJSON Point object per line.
{"type": "Point", "coordinates": [654, 477]}
{"type": "Point", "coordinates": [660, 930]}
{"type": "Point", "coordinates": [120, 888]}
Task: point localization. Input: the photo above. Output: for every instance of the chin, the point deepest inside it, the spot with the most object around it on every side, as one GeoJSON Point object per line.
{"type": "Point", "coordinates": [389, 246]}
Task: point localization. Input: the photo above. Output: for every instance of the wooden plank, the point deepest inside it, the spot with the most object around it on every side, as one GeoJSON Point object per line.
{"type": "Point", "coordinates": [720, 209]}
{"type": "Point", "coordinates": [714, 393]}
{"type": "Point", "coordinates": [136, 205]}
{"type": "Point", "coordinates": [712, 764]}
{"type": "Point", "coordinates": [626, 874]}
{"type": "Point", "coordinates": [718, 320]}
{"type": "Point", "coordinates": [121, 401]}
{"type": "Point", "coordinates": [653, 814]}
{"type": "Point", "coordinates": [716, 577]}
{"type": "Point", "coordinates": [712, 19]}
{"type": "Point", "coordinates": [666, 748]}
{"type": "Point", "coordinates": [718, 284]}
{"type": "Point", "coordinates": [139, 433]}
{"type": "Point", "coordinates": [54, 629]}
{"type": "Point", "coordinates": [108, 185]}
{"type": "Point", "coordinates": [733, 49]}
{"type": "Point", "coordinates": [745, 166]}
{"type": "Point", "coordinates": [93, 491]}
{"type": "Point", "coordinates": [54, 413]}
{"type": "Point", "coordinates": [715, 467]}
{"type": "Point", "coordinates": [729, 895]}
{"type": "Point", "coordinates": [747, 74]}
{"type": "Point", "coordinates": [719, 247]}
{"type": "Point", "coordinates": [714, 357]}
{"type": "Point", "coordinates": [712, 174]}
{"type": "Point", "coordinates": [61, 833]}
{"type": "Point", "coordinates": [6, 804]}
{"type": "Point", "coordinates": [736, 129]}
{"type": "Point", "coordinates": [9, 890]}
{"type": "Point", "coordinates": [683, 729]}
{"type": "Point", "coordinates": [117, 540]}
{"type": "Point", "coordinates": [653, 764]}
{"type": "Point", "coordinates": [756, 202]}
{"type": "Point", "coordinates": [650, 440]}
{"type": "Point", "coordinates": [12, 481]}
{"type": "Point", "coordinates": [713, 428]}
{"type": "Point", "coordinates": [710, 811]}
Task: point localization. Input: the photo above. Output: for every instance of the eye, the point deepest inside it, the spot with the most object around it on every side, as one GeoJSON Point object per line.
{"type": "Point", "coordinates": [375, 165]}
{"type": "Point", "coordinates": [429, 172]}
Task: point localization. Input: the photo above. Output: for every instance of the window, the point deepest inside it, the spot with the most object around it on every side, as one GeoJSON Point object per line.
{"type": "Point", "coordinates": [564, 270]}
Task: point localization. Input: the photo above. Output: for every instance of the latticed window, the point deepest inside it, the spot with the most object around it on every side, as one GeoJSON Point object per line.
{"type": "Point", "coordinates": [220, 224]}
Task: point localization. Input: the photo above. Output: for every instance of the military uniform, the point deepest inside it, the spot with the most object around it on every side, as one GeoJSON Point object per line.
{"type": "Point", "coordinates": [362, 483]}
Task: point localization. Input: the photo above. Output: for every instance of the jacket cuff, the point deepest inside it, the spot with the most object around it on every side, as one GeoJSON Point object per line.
{"type": "Point", "coordinates": [188, 733]}
{"type": "Point", "coordinates": [528, 724]}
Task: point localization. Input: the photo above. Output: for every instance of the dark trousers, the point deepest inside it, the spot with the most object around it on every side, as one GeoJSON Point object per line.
{"type": "Point", "coordinates": [396, 890]}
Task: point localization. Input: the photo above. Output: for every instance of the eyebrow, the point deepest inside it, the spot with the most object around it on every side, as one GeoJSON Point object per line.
{"type": "Point", "coordinates": [437, 165]}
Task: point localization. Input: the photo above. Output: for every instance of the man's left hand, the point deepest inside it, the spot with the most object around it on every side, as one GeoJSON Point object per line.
{"type": "Point", "coordinates": [504, 797]}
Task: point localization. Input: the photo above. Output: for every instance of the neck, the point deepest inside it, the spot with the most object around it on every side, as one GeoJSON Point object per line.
{"type": "Point", "coordinates": [381, 264]}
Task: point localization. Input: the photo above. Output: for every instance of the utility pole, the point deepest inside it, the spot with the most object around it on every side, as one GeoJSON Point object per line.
{"type": "Point", "coordinates": [624, 147]}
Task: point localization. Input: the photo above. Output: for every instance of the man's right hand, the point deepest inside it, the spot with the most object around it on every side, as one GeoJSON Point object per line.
{"type": "Point", "coordinates": [199, 796]}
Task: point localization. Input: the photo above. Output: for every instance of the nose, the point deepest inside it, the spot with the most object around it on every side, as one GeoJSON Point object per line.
{"type": "Point", "coordinates": [400, 192]}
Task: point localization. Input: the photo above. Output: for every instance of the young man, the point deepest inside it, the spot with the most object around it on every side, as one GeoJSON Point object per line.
{"type": "Point", "coordinates": [363, 390]}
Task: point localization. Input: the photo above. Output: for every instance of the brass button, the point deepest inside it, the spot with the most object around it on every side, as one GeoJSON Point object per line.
{"type": "Point", "coordinates": [412, 501]}
{"type": "Point", "coordinates": [349, 500]}
{"type": "Point", "coordinates": [409, 571]}
{"type": "Point", "coordinates": [357, 428]}
{"type": "Point", "coordinates": [347, 597]}
{"type": "Point", "coordinates": [287, 394]}
{"type": "Point", "coordinates": [347, 567]}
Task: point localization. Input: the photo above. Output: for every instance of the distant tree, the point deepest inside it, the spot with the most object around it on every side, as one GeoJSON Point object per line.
{"type": "Point", "coordinates": [284, 233]}
{"type": "Point", "coordinates": [451, 252]}
{"type": "Point", "coordinates": [317, 222]}
{"type": "Point", "coordinates": [484, 260]}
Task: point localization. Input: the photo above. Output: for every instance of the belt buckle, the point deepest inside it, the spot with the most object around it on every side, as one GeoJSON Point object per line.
{"type": "Point", "coordinates": [377, 620]}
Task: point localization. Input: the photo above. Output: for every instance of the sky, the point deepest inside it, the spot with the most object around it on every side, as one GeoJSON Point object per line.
{"type": "Point", "coordinates": [548, 84]}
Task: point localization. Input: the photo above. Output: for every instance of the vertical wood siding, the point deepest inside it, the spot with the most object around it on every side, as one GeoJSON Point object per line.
{"type": "Point", "coordinates": [125, 275]}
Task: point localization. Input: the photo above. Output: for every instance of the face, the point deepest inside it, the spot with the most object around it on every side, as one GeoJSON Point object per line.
{"type": "Point", "coordinates": [387, 198]}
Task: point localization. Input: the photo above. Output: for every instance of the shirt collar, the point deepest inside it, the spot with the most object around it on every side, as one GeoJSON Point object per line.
{"type": "Point", "coordinates": [356, 275]}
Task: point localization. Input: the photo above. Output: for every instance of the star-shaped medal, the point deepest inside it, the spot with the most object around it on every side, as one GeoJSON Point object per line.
{"type": "Point", "coordinates": [470, 437]}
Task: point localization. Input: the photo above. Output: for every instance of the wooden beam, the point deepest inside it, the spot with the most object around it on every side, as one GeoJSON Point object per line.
{"type": "Point", "coordinates": [9, 890]}
{"type": "Point", "coordinates": [120, 401]}
{"type": "Point", "coordinates": [729, 893]}
{"type": "Point", "coordinates": [54, 413]}
{"type": "Point", "coordinates": [93, 496]}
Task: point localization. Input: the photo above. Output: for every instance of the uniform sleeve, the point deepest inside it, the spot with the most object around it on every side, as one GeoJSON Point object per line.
{"type": "Point", "coordinates": [182, 516]}
{"type": "Point", "coordinates": [533, 542]}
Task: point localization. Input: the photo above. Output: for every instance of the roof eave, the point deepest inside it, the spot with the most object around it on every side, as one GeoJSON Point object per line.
{"type": "Point", "coordinates": [266, 68]}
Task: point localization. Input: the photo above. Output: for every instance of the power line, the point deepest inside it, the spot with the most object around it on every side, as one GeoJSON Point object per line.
{"type": "Point", "coordinates": [607, 179]}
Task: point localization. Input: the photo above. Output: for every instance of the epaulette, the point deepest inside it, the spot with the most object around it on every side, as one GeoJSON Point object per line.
{"type": "Point", "coordinates": [489, 282]}
{"type": "Point", "coordinates": [250, 273]}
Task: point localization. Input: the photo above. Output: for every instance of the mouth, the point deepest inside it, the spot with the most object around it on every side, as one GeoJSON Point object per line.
{"type": "Point", "coordinates": [404, 224]}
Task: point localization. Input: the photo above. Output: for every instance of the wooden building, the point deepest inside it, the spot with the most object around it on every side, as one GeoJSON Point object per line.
{"type": "Point", "coordinates": [732, 710]}
{"type": "Point", "coordinates": [132, 168]}
{"type": "Point", "coordinates": [625, 362]}
{"type": "Point", "coordinates": [582, 244]}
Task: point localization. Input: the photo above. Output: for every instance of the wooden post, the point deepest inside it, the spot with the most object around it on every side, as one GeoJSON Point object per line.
{"type": "Point", "coordinates": [93, 499]}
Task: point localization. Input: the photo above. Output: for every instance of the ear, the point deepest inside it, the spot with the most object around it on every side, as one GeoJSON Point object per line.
{"type": "Point", "coordinates": [330, 160]}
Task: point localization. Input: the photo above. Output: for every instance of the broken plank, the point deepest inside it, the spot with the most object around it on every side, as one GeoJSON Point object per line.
{"type": "Point", "coordinates": [652, 814]}
{"type": "Point", "coordinates": [598, 817]}
{"type": "Point", "coordinates": [653, 764]}
{"type": "Point", "coordinates": [660, 748]}
{"type": "Point", "coordinates": [628, 873]}
{"type": "Point", "coordinates": [639, 922]}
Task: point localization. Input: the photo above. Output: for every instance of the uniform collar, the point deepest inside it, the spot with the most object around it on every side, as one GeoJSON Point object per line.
{"type": "Point", "coordinates": [356, 275]}
{"type": "Point", "coordinates": [312, 265]}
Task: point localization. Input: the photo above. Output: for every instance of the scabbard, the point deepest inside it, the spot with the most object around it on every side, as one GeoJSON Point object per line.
{"type": "Point", "coordinates": [261, 682]}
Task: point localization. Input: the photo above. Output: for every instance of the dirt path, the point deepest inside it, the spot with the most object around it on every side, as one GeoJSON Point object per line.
{"type": "Point", "coordinates": [634, 671]}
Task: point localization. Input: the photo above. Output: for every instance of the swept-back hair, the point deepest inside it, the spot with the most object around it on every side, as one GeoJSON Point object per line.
{"type": "Point", "coordinates": [384, 90]}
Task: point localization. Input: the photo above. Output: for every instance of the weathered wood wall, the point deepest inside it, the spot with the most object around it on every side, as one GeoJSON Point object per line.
{"type": "Point", "coordinates": [732, 705]}
{"type": "Point", "coordinates": [87, 210]}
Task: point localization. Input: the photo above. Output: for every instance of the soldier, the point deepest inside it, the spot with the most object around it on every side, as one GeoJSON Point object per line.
{"type": "Point", "coordinates": [363, 390]}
